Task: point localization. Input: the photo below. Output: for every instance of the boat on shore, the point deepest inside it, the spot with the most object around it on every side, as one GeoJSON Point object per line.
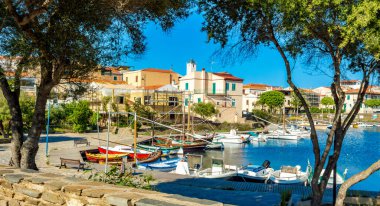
{"type": "Point", "coordinates": [125, 150]}
{"type": "Point", "coordinates": [98, 157]}
{"type": "Point", "coordinates": [162, 166]}
{"type": "Point", "coordinates": [165, 150]}
{"type": "Point", "coordinates": [187, 146]}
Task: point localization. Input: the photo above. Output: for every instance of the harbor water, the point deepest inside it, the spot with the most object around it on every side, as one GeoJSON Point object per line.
{"type": "Point", "coordinates": [361, 148]}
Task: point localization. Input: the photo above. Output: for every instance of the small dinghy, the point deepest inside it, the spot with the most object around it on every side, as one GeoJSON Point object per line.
{"type": "Point", "coordinates": [163, 166]}
{"type": "Point", "coordinates": [290, 175]}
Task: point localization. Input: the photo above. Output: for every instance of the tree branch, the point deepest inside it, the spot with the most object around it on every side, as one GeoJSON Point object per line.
{"type": "Point", "coordinates": [355, 179]}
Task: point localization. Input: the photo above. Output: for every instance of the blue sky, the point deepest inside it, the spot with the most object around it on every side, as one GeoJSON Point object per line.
{"type": "Point", "coordinates": [185, 41]}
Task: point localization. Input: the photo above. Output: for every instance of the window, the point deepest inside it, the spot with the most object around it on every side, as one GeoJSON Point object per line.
{"type": "Point", "coordinates": [233, 87]}
{"type": "Point", "coordinates": [199, 100]}
{"type": "Point", "coordinates": [173, 101]}
{"type": "Point", "coordinates": [187, 86]}
{"type": "Point", "coordinates": [186, 101]}
{"type": "Point", "coordinates": [227, 86]}
{"type": "Point", "coordinates": [120, 100]}
{"type": "Point", "coordinates": [233, 103]}
{"type": "Point", "coordinates": [220, 115]}
{"type": "Point", "coordinates": [115, 78]}
{"type": "Point", "coordinates": [217, 103]}
{"type": "Point", "coordinates": [247, 102]}
{"type": "Point", "coordinates": [126, 79]}
{"type": "Point", "coordinates": [348, 97]}
{"type": "Point", "coordinates": [137, 78]}
{"type": "Point", "coordinates": [147, 100]}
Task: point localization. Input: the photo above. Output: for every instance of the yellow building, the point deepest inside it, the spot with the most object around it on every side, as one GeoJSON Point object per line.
{"type": "Point", "coordinates": [150, 77]}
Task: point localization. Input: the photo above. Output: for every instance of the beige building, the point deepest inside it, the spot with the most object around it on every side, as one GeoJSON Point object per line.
{"type": "Point", "coordinates": [251, 94]}
{"type": "Point", "coordinates": [150, 77]}
{"type": "Point", "coordinates": [352, 96]}
{"type": "Point", "coordinates": [222, 89]}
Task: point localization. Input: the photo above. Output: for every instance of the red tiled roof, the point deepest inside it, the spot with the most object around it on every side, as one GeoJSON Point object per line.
{"type": "Point", "coordinates": [157, 70]}
{"type": "Point", "coordinates": [228, 76]}
{"type": "Point", "coordinates": [355, 91]}
{"type": "Point", "coordinates": [256, 86]}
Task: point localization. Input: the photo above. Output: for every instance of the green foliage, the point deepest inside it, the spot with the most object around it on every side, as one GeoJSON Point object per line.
{"type": "Point", "coordinates": [205, 110]}
{"type": "Point", "coordinates": [142, 110]}
{"type": "Point", "coordinates": [295, 101]}
{"type": "Point", "coordinates": [261, 114]}
{"type": "Point", "coordinates": [116, 177]}
{"type": "Point", "coordinates": [327, 101]}
{"type": "Point", "coordinates": [131, 120]}
{"type": "Point", "coordinates": [80, 116]}
{"type": "Point", "coordinates": [27, 108]}
{"type": "Point", "coordinates": [372, 103]}
{"type": "Point", "coordinates": [105, 102]}
{"type": "Point", "coordinates": [272, 99]}
{"type": "Point", "coordinates": [315, 110]}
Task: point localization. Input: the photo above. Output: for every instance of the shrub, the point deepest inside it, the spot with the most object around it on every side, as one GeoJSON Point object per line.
{"type": "Point", "coordinates": [80, 116]}
{"type": "Point", "coordinates": [117, 177]}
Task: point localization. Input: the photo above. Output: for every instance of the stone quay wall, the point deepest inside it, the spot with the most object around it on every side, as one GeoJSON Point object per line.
{"type": "Point", "coordinates": [28, 187]}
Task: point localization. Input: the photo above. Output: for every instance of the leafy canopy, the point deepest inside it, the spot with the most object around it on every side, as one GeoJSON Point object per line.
{"type": "Point", "coordinates": [205, 109]}
{"type": "Point", "coordinates": [327, 101]}
{"type": "Point", "coordinates": [273, 99]}
{"type": "Point", "coordinates": [372, 103]}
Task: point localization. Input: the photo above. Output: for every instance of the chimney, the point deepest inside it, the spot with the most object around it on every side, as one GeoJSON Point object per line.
{"type": "Point", "coordinates": [191, 66]}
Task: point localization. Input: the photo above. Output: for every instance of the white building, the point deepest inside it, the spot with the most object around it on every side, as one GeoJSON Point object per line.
{"type": "Point", "coordinates": [222, 89]}
{"type": "Point", "coordinates": [352, 96]}
{"type": "Point", "coordinates": [251, 94]}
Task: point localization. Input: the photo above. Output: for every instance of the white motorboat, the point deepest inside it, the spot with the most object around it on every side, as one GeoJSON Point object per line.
{"type": "Point", "coordinates": [224, 140]}
{"type": "Point", "coordinates": [339, 178]}
{"type": "Point", "coordinates": [215, 145]}
{"type": "Point", "coordinates": [232, 137]}
{"type": "Point", "coordinates": [217, 170]}
{"type": "Point", "coordinates": [256, 172]}
{"type": "Point", "coordinates": [281, 135]}
{"type": "Point", "coordinates": [290, 175]}
{"type": "Point", "coordinates": [257, 137]}
{"type": "Point", "coordinates": [362, 124]}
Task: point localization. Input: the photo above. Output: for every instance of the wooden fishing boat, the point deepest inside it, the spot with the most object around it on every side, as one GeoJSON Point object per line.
{"type": "Point", "coordinates": [152, 158]}
{"type": "Point", "coordinates": [187, 146]}
{"type": "Point", "coordinates": [165, 150]}
{"type": "Point", "coordinates": [93, 157]}
{"type": "Point", "coordinates": [126, 150]}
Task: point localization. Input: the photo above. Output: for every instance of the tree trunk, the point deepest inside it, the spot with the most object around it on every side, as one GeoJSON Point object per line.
{"type": "Point", "coordinates": [30, 146]}
{"type": "Point", "coordinates": [17, 132]}
{"type": "Point", "coordinates": [355, 179]}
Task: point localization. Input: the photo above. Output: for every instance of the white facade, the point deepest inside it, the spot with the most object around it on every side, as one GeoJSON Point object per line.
{"type": "Point", "coordinates": [221, 89]}
{"type": "Point", "coordinates": [351, 98]}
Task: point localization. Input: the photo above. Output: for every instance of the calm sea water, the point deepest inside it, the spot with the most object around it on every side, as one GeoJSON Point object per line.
{"type": "Point", "coordinates": [361, 148]}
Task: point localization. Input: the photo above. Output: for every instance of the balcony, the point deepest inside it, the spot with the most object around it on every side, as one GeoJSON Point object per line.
{"type": "Point", "coordinates": [217, 92]}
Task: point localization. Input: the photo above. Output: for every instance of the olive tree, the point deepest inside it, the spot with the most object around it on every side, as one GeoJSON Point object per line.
{"type": "Point", "coordinates": [61, 41]}
{"type": "Point", "coordinates": [296, 28]}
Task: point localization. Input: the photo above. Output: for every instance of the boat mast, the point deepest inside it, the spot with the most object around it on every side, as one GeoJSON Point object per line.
{"type": "Point", "coordinates": [135, 138]}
